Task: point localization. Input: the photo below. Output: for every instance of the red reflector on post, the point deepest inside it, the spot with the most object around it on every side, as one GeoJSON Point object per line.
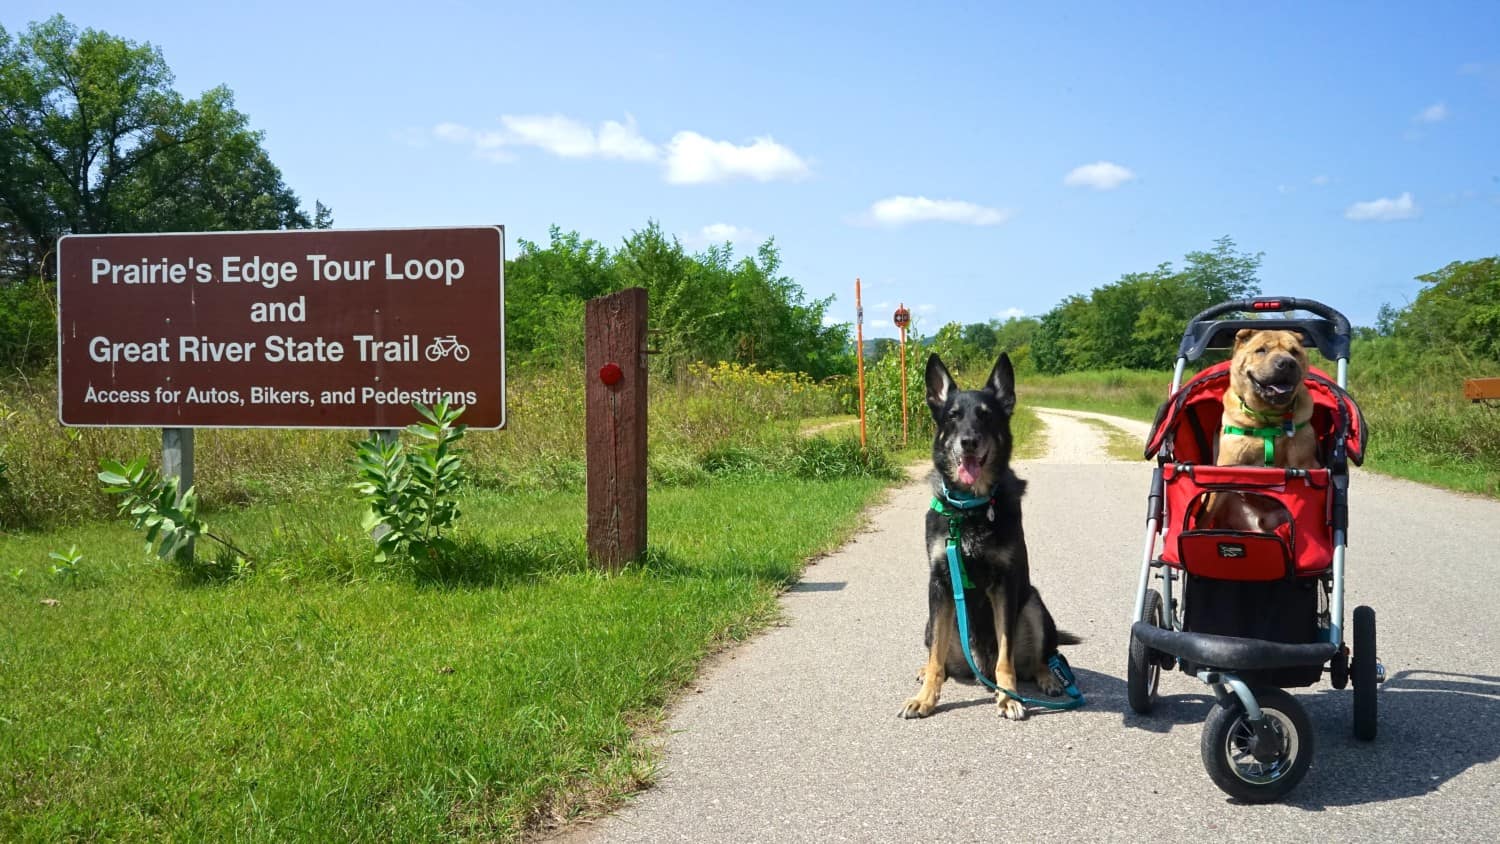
{"type": "Point", "coordinates": [610, 374]}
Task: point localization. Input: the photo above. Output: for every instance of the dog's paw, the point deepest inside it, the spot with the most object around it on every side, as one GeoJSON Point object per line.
{"type": "Point", "coordinates": [1049, 684]}
{"type": "Point", "coordinates": [1011, 709]}
{"type": "Point", "coordinates": [917, 707]}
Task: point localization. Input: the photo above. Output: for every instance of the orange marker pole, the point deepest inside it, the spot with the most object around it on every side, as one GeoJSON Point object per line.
{"type": "Point", "coordinates": [859, 357]}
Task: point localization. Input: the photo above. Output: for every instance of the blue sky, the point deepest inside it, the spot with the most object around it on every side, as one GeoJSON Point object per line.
{"type": "Point", "coordinates": [971, 160]}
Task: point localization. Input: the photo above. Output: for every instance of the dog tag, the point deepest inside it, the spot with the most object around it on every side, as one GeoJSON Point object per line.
{"type": "Point", "coordinates": [1288, 428]}
{"type": "Point", "coordinates": [990, 513]}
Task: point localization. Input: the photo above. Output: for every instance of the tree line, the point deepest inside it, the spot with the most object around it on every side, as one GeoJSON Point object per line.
{"type": "Point", "coordinates": [709, 306]}
{"type": "Point", "coordinates": [1137, 321]}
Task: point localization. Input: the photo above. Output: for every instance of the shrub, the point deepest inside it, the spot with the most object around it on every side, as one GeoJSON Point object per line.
{"type": "Point", "coordinates": [412, 498]}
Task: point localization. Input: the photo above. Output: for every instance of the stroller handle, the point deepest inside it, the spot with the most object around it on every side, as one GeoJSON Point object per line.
{"type": "Point", "coordinates": [1329, 333]}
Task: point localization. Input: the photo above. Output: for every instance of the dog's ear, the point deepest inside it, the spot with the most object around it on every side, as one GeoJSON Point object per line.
{"type": "Point", "coordinates": [940, 386]}
{"type": "Point", "coordinates": [1003, 383]}
{"type": "Point", "coordinates": [1242, 335]}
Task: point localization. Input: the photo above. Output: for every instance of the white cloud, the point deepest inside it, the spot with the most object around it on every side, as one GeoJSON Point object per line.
{"type": "Point", "coordinates": [718, 233]}
{"type": "Point", "coordinates": [902, 210]}
{"type": "Point", "coordinates": [693, 159]}
{"type": "Point", "coordinates": [880, 323]}
{"type": "Point", "coordinates": [1011, 313]}
{"type": "Point", "coordinates": [1285, 189]}
{"type": "Point", "coordinates": [1435, 113]}
{"type": "Point", "coordinates": [926, 309]}
{"type": "Point", "coordinates": [1384, 210]}
{"type": "Point", "coordinates": [1320, 180]}
{"type": "Point", "coordinates": [725, 231]}
{"type": "Point", "coordinates": [568, 138]}
{"type": "Point", "coordinates": [689, 158]}
{"type": "Point", "coordinates": [1101, 175]}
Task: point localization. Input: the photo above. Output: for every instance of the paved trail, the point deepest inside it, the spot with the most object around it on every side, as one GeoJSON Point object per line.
{"type": "Point", "coordinates": [794, 736]}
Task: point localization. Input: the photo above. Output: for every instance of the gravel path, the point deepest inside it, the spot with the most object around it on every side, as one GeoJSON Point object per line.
{"type": "Point", "coordinates": [1077, 443]}
{"type": "Point", "coordinates": [795, 737]}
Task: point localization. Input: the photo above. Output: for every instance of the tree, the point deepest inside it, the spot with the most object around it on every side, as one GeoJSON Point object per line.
{"type": "Point", "coordinates": [707, 307]}
{"type": "Point", "coordinates": [1136, 322]}
{"type": "Point", "coordinates": [1015, 333]}
{"type": "Point", "coordinates": [94, 139]}
{"type": "Point", "coordinates": [1459, 310]}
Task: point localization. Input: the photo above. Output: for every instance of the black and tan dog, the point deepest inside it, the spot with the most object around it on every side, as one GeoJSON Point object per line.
{"type": "Point", "coordinates": [1011, 631]}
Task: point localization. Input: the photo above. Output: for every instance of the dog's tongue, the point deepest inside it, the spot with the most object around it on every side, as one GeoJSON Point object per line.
{"type": "Point", "coordinates": [968, 469]}
{"type": "Point", "coordinates": [1278, 389]}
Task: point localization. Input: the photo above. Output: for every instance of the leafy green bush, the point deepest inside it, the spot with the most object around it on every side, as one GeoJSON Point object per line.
{"type": "Point", "coordinates": [822, 458]}
{"type": "Point", "coordinates": [28, 325]}
{"type": "Point", "coordinates": [170, 520]}
{"type": "Point", "coordinates": [883, 398]}
{"type": "Point", "coordinates": [413, 497]}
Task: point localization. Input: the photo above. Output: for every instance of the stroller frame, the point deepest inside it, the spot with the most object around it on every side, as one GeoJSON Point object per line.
{"type": "Point", "coordinates": [1257, 743]}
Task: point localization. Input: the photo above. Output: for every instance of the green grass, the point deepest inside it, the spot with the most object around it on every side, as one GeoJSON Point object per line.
{"type": "Point", "coordinates": [1029, 433]}
{"type": "Point", "coordinates": [367, 707]}
{"type": "Point", "coordinates": [840, 425]}
{"type": "Point", "coordinates": [1117, 444]}
{"type": "Point", "coordinates": [1121, 392]}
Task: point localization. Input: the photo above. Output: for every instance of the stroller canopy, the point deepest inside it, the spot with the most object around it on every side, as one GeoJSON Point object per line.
{"type": "Point", "coordinates": [1187, 425]}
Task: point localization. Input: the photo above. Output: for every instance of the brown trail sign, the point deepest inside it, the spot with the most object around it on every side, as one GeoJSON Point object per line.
{"type": "Point", "coordinates": [1482, 389]}
{"type": "Point", "coordinates": [292, 329]}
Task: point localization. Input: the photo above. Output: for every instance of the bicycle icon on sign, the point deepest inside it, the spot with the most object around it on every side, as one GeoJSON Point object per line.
{"type": "Point", "coordinates": [443, 346]}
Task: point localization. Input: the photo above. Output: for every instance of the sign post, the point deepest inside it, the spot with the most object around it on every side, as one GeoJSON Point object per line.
{"type": "Point", "coordinates": [902, 319]}
{"type": "Point", "coordinates": [177, 462]}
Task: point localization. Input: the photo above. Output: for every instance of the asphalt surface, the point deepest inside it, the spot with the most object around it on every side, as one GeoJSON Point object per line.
{"type": "Point", "coordinates": [794, 736]}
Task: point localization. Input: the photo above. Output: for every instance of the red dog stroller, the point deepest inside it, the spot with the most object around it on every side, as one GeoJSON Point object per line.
{"type": "Point", "coordinates": [1252, 614]}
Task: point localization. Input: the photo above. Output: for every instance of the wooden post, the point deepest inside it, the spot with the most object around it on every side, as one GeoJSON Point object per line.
{"type": "Point", "coordinates": [177, 462]}
{"type": "Point", "coordinates": [615, 400]}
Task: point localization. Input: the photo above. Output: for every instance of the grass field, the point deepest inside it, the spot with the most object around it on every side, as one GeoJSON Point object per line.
{"type": "Point", "coordinates": [299, 707]}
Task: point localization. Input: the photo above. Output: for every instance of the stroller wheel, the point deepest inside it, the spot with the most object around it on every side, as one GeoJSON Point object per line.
{"type": "Point", "coordinates": [1364, 673]}
{"type": "Point", "coordinates": [1144, 671]}
{"type": "Point", "coordinates": [1338, 669]}
{"type": "Point", "coordinates": [1240, 763]}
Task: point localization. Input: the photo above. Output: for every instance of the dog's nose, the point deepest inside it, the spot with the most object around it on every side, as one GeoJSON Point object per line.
{"type": "Point", "coordinates": [1284, 363]}
{"type": "Point", "coordinates": [969, 443]}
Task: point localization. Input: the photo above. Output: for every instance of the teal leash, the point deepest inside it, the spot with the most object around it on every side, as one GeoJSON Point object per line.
{"type": "Point", "coordinates": [959, 579]}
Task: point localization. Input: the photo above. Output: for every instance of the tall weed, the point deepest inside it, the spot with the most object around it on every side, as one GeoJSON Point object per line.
{"type": "Point", "coordinates": [695, 424]}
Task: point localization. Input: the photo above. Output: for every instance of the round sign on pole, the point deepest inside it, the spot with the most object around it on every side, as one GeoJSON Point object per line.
{"type": "Point", "coordinates": [902, 317]}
